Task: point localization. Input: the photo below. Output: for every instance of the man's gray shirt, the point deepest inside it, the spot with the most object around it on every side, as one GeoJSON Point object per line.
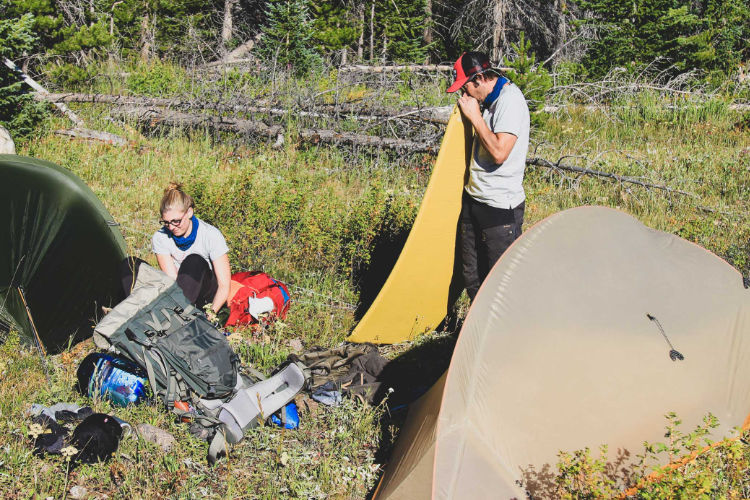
{"type": "Point", "coordinates": [501, 186]}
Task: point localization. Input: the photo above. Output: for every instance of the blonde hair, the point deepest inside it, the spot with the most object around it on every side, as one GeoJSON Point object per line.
{"type": "Point", "coordinates": [175, 199]}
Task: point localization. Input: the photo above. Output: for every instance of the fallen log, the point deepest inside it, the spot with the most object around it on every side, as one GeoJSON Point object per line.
{"type": "Point", "coordinates": [79, 124]}
{"type": "Point", "coordinates": [363, 68]}
{"type": "Point", "coordinates": [96, 135]}
{"type": "Point", "coordinates": [553, 108]}
{"type": "Point", "coordinates": [123, 100]}
{"type": "Point", "coordinates": [154, 117]}
{"type": "Point", "coordinates": [438, 114]}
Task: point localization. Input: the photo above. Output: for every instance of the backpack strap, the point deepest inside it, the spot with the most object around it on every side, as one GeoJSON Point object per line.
{"type": "Point", "coordinates": [218, 446]}
{"type": "Point", "coordinates": [253, 372]}
{"type": "Point", "coordinates": [171, 314]}
{"type": "Point", "coordinates": [170, 395]}
{"type": "Point", "coordinates": [155, 324]}
{"type": "Point", "coordinates": [149, 370]}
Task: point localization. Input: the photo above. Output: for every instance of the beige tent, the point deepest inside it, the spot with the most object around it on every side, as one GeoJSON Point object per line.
{"type": "Point", "coordinates": [558, 352]}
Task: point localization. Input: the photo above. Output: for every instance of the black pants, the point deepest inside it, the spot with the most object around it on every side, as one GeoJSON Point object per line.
{"type": "Point", "coordinates": [195, 278]}
{"type": "Point", "coordinates": [486, 232]}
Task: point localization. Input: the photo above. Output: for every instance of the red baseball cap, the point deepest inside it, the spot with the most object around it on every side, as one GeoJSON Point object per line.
{"type": "Point", "coordinates": [469, 65]}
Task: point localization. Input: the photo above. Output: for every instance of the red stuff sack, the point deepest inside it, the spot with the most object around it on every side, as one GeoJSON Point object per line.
{"type": "Point", "coordinates": [255, 284]}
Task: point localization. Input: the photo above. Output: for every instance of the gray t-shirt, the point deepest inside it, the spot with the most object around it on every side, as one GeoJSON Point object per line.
{"type": "Point", "coordinates": [501, 186]}
{"type": "Point", "coordinates": [209, 243]}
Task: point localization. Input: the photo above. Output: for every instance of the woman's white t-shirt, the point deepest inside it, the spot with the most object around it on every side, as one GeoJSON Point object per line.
{"type": "Point", "coordinates": [209, 243]}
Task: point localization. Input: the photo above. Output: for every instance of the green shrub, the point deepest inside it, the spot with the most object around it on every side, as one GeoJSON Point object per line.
{"type": "Point", "coordinates": [695, 468]}
{"type": "Point", "coordinates": [19, 112]}
{"type": "Point", "coordinates": [300, 219]}
{"type": "Point", "coordinates": [533, 80]}
{"type": "Point", "coordinates": [156, 79]}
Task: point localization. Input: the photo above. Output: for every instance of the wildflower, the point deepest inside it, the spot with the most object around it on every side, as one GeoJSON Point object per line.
{"type": "Point", "coordinates": [36, 430]}
{"type": "Point", "coordinates": [69, 451]}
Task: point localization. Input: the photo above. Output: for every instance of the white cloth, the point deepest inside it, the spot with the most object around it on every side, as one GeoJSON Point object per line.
{"type": "Point", "coordinates": [256, 307]}
{"type": "Point", "coordinates": [501, 186]}
{"type": "Point", "coordinates": [209, 243]}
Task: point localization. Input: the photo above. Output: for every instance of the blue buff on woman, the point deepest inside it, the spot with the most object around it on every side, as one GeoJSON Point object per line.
{"type": "Point", "coordinates": [189, 250]}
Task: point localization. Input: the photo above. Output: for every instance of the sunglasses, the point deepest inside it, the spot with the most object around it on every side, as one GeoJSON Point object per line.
{"type": "Point", "coordinates": [173, 222]}
{"type": "Point", "coordinates": [463, 87]}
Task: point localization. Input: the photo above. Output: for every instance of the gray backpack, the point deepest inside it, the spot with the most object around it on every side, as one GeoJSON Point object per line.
{"type": "Point", "coordinates": [189, 360]}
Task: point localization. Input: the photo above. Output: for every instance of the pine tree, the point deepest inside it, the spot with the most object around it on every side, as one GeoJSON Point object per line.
{"type": "Point", "coordinates": [19, 112]}
{"type": "Point", "coordinates": [400, 28]}
{"type": "Point", "coordinates": [686, 34]}
{"type": "Point", "coordinates": [533, 80]}
{"type": "Point", "coordinates": [335, 26]}
{"type": "Point", "coordinates": [288, 36]}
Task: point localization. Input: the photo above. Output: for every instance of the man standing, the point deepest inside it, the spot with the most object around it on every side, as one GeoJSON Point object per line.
{"type": "Point", "coordinates": [493, 199]}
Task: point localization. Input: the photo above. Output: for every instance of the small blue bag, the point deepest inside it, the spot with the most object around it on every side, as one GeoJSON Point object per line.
{"type": "Point", "coordinates": [291, 414]}
{"type": "Point", "coordinates": [113, 378]}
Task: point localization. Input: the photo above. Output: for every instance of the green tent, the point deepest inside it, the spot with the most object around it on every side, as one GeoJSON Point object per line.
{"type": "Point", "coordinates": [59, 251]}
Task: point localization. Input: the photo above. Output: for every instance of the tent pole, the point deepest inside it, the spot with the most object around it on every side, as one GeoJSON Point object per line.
{"type": "Point", "coordinates": [37, 340]}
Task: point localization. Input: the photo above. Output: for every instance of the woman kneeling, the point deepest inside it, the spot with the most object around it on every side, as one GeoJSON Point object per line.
{"type": "Point", "coordinates": [189, 250]}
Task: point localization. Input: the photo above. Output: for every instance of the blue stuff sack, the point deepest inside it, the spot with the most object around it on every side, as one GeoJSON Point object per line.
{"type": "Point", "coordinates": [113, 378]}
{"type": "Point", "coordinates": [292, 416]}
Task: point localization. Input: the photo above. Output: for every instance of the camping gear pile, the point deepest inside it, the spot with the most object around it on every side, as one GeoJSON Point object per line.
{"type": "Point", "coordinates": [156, 337]}
{"type": "Point", "coordinates": [189, 364]}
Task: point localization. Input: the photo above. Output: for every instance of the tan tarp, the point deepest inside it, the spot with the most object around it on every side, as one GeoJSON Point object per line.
{"type": "Point", "coordinates": [558, 353]}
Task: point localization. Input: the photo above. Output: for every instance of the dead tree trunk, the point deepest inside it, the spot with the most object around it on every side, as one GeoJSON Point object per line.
{"type": "Point", "coordinates": [227, 25]}
{"type": "Point", "coordinates": [499, 40]}
{"type": "Point", "coordinates": [361, 39]}
{"type": "Point", "coordinates": [372, 30]}
{"type": "Point", "coordinates": [427, 33]}
{"type": "Point", "coordinates": [145, 38]}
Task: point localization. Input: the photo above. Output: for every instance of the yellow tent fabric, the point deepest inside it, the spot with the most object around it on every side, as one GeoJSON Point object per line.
{"type": "Point", "coordinates": [418, 292]}
{"type": "Point", "coordinates": [558, 353]}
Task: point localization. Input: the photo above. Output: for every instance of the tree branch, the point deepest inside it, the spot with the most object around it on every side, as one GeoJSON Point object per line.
{"type": "Point", "coordinates": [541, 162]}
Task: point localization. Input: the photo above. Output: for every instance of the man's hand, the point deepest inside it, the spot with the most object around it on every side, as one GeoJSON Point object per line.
{"type": "Point", "coordinates": [469, 107]}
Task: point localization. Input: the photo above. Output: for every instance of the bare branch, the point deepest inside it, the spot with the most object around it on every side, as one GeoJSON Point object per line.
{"type": "Point", "coordinates": [541, 162]}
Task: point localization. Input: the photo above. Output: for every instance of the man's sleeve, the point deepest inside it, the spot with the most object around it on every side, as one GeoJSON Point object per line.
{"type": "Point", "coordinates": [510, 115]}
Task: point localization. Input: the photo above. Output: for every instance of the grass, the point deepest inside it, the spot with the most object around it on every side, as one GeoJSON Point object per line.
{"type": "Point", "coordinates": [316, 218]}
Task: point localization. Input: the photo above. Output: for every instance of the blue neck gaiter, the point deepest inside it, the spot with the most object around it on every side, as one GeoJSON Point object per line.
{"type": "Point", "coordinates": [185, 242]}
{"type": "Point", "coordinates": [495, 92]}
